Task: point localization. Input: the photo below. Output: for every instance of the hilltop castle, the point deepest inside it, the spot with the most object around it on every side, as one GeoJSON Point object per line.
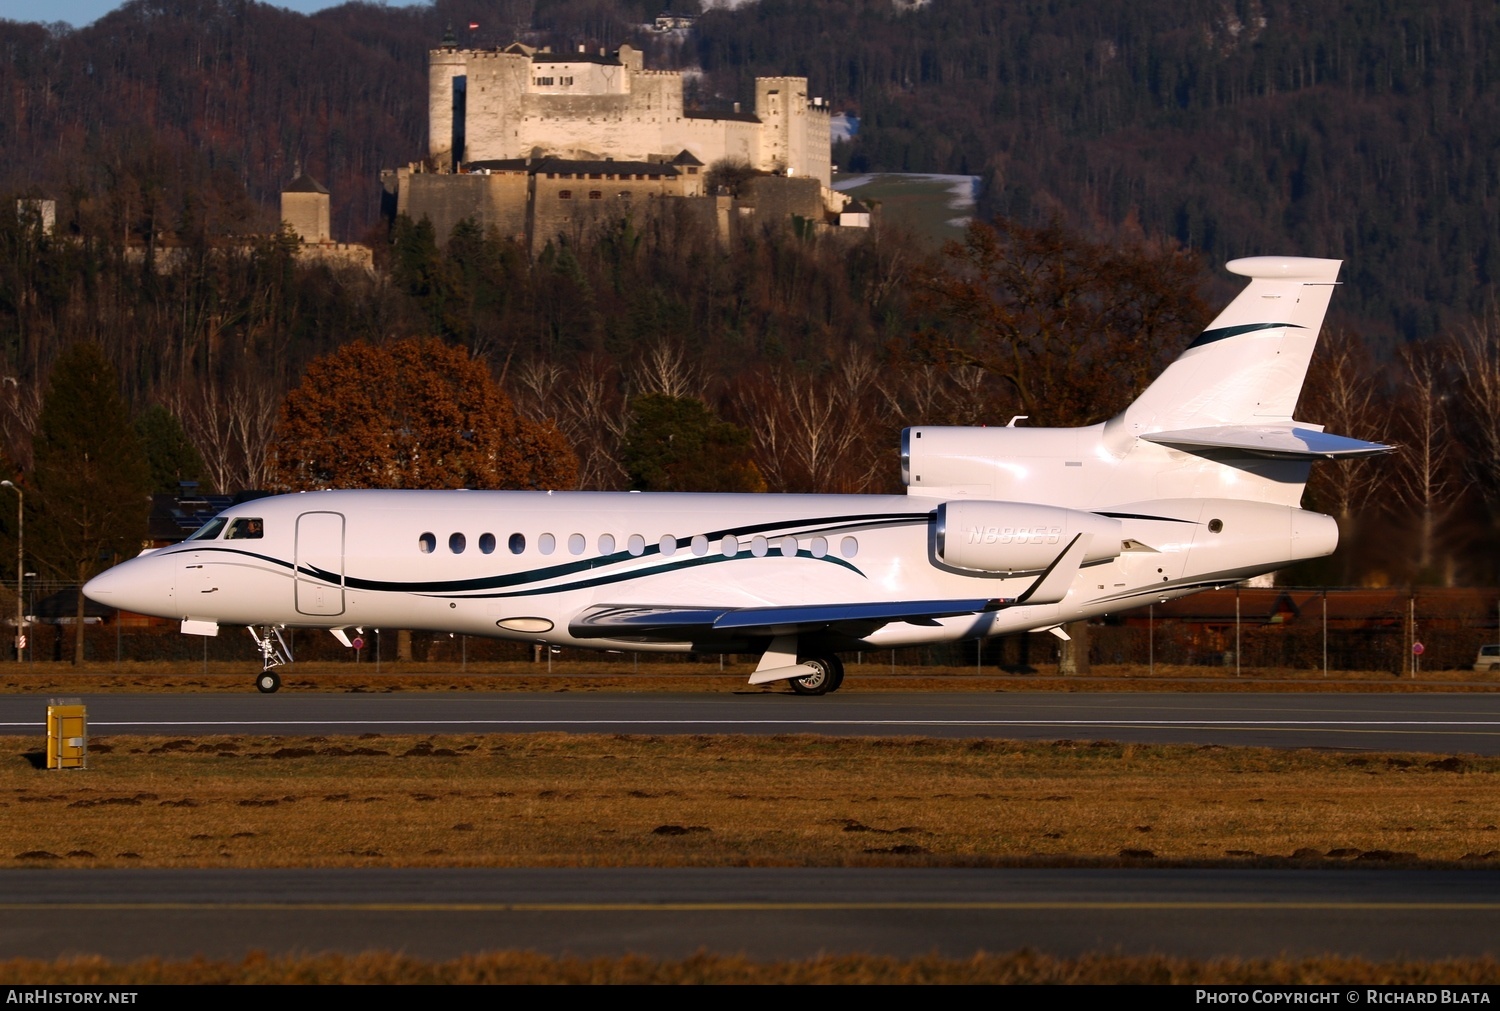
{"type": "Point", "coordinates": [532, 142]}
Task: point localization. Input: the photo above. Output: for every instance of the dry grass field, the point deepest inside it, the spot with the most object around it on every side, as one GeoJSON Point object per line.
{"type": "Point", "coordinates": [599, 800]}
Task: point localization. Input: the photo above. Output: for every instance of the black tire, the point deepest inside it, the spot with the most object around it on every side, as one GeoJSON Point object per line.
{"type": "Point", "coordinates": [829, 676]}
{"type": "Point", "coordinates": [268, 682]}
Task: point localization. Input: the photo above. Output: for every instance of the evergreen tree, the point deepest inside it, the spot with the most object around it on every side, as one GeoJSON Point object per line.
{"type": "Point", "coordinates": [92, 483]}
{"type": "Point", "coordinates": [169, 453]}
{"type": "Point", "coordinates": [677, 444]}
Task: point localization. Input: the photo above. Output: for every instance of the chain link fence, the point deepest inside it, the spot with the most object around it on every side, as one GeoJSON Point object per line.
{"type": "Point", "coordinates": [1281, 628]}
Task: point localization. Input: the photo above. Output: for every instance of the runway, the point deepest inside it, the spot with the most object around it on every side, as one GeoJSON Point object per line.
{"type": "Point", "coordinates": [764, 913]}
{"type": "Point", "coordinates": [1441, 723]}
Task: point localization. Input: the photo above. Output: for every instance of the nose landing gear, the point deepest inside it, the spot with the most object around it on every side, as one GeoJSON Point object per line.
{"type": "Point", "coordinates": [273, 653]}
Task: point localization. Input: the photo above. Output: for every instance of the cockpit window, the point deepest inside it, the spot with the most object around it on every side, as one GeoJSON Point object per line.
{"type": "Point", "coordinates": [245, 528]}
{"type": "Point", "coordinates": [209, 530]}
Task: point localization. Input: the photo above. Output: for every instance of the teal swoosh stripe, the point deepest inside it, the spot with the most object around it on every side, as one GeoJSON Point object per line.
{"type": "Point", "coordinates": [1223, 332]}
{"type": "Point", "coordinates": [622, 577]}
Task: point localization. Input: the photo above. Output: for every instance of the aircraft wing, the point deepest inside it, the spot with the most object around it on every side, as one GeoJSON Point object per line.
{"type": "Point", "coordinates": [1285, 441]}
{"type": "Point", "coordinates": [613, 621]}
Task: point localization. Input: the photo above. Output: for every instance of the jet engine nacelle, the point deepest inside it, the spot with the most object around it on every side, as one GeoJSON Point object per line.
{"type": "Point", "coordinates": [1004, 537]}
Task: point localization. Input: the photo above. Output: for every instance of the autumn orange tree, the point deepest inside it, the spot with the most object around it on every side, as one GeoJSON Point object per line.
{"type": "Point", "coordinates": [413, 413]}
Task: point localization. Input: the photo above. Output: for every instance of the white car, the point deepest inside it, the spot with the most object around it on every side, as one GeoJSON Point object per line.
{"type": "Point", "coordinates": [1488, 658]}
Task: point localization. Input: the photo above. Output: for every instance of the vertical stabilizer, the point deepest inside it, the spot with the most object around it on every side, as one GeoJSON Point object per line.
{"type": "Point", "coordinates": [1247, 368]}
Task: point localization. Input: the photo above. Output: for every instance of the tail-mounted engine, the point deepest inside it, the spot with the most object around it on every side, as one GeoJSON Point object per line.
{"type": "Point", "coordinates": [1001, 538]}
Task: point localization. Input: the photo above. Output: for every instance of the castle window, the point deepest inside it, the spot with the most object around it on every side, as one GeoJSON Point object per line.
{"type": "Point", "coordinates": [595, 195]}
{"type": "Point", "coordinates": [565, 194]}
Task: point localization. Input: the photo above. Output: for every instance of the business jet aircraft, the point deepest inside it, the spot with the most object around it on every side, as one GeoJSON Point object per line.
{"type": "Point", "coordinates": [1196, 484]}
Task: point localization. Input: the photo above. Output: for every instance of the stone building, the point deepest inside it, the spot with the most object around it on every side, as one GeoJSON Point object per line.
{"type": "Point", "coordinates": [519, 102]}
{"type": "Point", "coordinates": [305, 208]}
{"type": "Point", "coordinates": [533, 143]}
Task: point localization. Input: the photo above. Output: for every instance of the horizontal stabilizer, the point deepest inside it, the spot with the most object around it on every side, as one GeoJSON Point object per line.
{"type": "Point", "coordinates": [1281, 441]}
{"type": "Point", "coordinates": [611, 621]}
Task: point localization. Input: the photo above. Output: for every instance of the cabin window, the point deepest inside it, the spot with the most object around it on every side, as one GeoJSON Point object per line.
{"type": "Point", "coordinates": [546, 544]}
{"type": "Point", "coordinates": [457, 543]}
{"type": "Point", "coordinates": [246, 528]}
{"type": "Point", "coordinates": [637, 545]}
{"type": "Point", "coordinates": [789, 547]}
{"type": "Point", "coordinates": [606, 544]}
{"type": "Point", "coordinates": [819, 546]}
{"type": "Point", "coordinates": [427, 543]}
{"type": "Point", "coordinates": [849, 547]}
{"type": "Point", "coordinates": [517, 543]}
{"type": "Point", "coordinates": [487, 543]}
{"type": "Point", "coordinates": [729, 546]}
{"type": "Point", "coordinates": [209, 530]}
{"type": "Point", "coordinates": [759, 546]}
{"type": "Point", "coordinates": [700, 545]}
{"type": "Point", "coordinates": [668, 545]}
{"type": "Point", "coordinates": [576, 544]}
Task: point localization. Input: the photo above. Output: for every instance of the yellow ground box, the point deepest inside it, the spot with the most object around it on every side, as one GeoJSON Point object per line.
{"type": "Point", "coordinates": [67, 734]}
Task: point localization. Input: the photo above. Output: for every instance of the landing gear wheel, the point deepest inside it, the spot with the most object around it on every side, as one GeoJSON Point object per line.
{"type": "Point", "coordinates": [828, 677]}
{"type": "Point", "coordinates": [268, 681]}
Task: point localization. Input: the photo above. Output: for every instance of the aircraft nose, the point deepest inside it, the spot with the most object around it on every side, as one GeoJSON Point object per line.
{"type": "Point", "coordinates": [143, 585]}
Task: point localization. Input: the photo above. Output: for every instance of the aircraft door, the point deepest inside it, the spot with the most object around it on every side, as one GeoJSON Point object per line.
{"type": "Point", "coordinates": [320, 563]}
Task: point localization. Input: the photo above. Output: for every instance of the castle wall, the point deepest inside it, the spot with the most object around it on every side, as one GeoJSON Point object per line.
{"type": "Point", "coordinates": [572, 203]}
{"type": "Point", "coordinates": [518, 105]}
{"type": "Point", "coordinates": [495, 200]}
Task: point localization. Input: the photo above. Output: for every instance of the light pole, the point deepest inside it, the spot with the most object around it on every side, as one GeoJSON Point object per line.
{"type": "Point", "coordinates": [20, 561]}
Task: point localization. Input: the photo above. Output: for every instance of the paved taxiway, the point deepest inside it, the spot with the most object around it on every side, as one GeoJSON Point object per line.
{"type": "Point", "coordinates": [766, 913]}
{"type": "Point", "coordinates": [1438, 722]}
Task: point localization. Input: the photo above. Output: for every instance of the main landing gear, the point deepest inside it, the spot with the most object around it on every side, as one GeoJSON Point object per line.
{"type": "Point", "coordinates": [827, 677]}
{"type": "Point", "coordinates": [273, 653]}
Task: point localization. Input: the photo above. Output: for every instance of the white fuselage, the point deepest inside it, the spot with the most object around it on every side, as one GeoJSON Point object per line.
{"type": "Point", "coordinates": [524, 565]}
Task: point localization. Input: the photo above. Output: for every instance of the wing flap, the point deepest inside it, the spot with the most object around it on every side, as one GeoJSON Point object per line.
{"type": "Point", "coordinates": [610, 621]}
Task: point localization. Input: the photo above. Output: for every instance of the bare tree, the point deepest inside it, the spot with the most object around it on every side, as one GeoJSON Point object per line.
{"type": "Point", "coordinates": [818, 433]}
{"type": "Point", "coordinates": [1424, 477]}
{"type": "Point", "coordinates": [1478, 350]}
{"type": "Point", "coordinates": [1343, 393]}
{"type": "Point", "coordinates": [664, 368]}
{"type": "Point", "coordinates": [20, 406]}
{"type": "Point", "coordinates": [588, 407]}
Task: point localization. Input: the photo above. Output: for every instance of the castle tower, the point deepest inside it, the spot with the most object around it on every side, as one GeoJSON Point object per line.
{"type": "Point", "coordinates": [304, 206]}
{"type": "Point", "coordinates": [447, 95]}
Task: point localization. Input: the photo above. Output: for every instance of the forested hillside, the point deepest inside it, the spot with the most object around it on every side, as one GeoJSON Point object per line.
{"type": "Point", "coordinates": [1368, 131]}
